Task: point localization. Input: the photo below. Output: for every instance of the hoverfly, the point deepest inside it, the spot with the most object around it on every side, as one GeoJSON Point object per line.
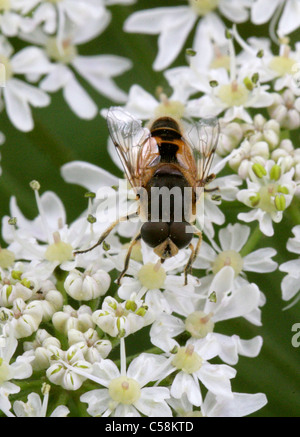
{"type": "Point", "coordinates": [163, 155]}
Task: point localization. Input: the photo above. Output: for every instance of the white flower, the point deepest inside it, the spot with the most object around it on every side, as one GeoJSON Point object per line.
{"type": "Point", "coordinates": [63, 365]}
{"type": "Point", "coordinates": [232, 96]}
{"type": "Point", "coordinates": [173, 24]}
{"type": "Point", "coordinates": [94, 348]}
{"type": "Point", "coordinates": [290, 284]}
{"type": "Point", "coordinates": [121, 319]}
{"type": "Point", "coordinates": [232, 239]}
{"type": "Point", "coordinates": [27, 238]}
{"type": "Point", "coordinates": [242, 404]}
{"type": "Point", "coordinates": [19, 369]}
{"type": "Point", "coordinates": [270, 191]}
{"type": "Point", "coordinates": [191, 362]}
{"type": "Point", "coordinates": [70, 318]}
{"type": "Point", "coordinates": [262, 11]}
{"type": "Point", "coordinates": [163, 289]}
{"type": "Point", "coordinates": [286, 110]}
{"type": "Point", "coordinates": [88, 285]}
{"type": "Point", "coordinates": [34, 407]}
{"type": "Point", "coordinates": [97, 70]}
{"type": "Point", "coordinates": [50, 299]}
{"type": "Point", "coordinates": [17, 94]}
{"type": "Point", "coordinates": [40, 350]}
{"type": "Point", "coordinates": [229, 302]}
{"type": "Point", "coordinates": [12, 20]}
{"type": "Point", "coordinates": [24, 319]}
{"type": "Point", "coordinates": [54, 14]}
{"type": "Point", "coordinates": [289, 156]}
{"type": "Point", "coordinates": [125, 393]}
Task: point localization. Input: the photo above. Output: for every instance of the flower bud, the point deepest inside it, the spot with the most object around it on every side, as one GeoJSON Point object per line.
{"type": "Point", "coordinates": [87, 286]}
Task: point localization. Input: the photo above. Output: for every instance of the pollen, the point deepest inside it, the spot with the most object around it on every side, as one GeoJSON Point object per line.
{"type": "Point", "coordinates": [152, 276]}
{"type": "Point", "coordinates": [124, 390]}
{"type": "Point", "coordinates": [233, 94]}
{"type": "Point", "coordinates": [199, 324]}
{"type": "Point", "coordinates": [203, 7]}
{"type": "Point", "coordinates": [228, 258]}
{"type": "Point", "coordinates": [63, 52]}
{"type": "Point", "coordinates": [187, 359]}
{"type": "Point", "coordinates": [6, 258]}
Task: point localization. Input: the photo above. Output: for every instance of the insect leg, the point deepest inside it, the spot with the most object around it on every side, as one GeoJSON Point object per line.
{"type": "Point", "coordinates": [194, 253]}
{"type": "Point", "coordinates": [107, 232]}
{"type": "Point", "coordinates": [127, 259]}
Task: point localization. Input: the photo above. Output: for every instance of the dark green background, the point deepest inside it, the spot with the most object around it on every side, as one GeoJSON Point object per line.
{"type": "Point", "coordinates": [59, 137]}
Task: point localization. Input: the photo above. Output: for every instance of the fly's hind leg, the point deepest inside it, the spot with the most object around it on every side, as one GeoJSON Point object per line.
{"type": "Point", "coordinates": [107, 232]}
{"type": "Point", "coordinates": [193, 255]}
{"type": "Point", "coordinates": [127, 259]}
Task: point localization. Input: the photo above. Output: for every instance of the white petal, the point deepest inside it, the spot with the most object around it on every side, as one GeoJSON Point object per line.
{"type": "Point", "coordinates": [289, 287]}
{"type": "Point", "coordinates": [87, 175]}
{"type": "Point", "coordinates": [172, 38]}
{"type": "Point", "coordinates": [79, 100]}
{"type": "Point", "coordinates": [152, 404]}
{"type": "Point", "coordinates": [260, 261]}
{"type": "Point", "coordinates": [262, 10]}
{"type": "Point", "coordinates": [152, 21]}
{"type": "Point", "coordinates": [233, 237]}
{"type": "Point", "coordinates": [241, 405]}
{"type": "Point", "coordinates": [30, 60]}
{"type": "Point", "coordinates": [57, 79]}
{"type": "Point", "coordinates": [186, 384]}
{"type": "Point", "coordinates": [290, 19]}
{"type": "Point", "coordinates": [241, 302]}
{"type": "Point", "coordinates": [216, 378]}
{"type": "Point", "coordinates": [17, 109]}
{"type": "Point", "coordinates": [105, 371]}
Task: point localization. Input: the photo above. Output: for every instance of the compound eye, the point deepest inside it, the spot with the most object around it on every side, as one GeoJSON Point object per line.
{"type": "Point", "coordinates": [179, 234]}
{"type": "Point", "coordinates": [154, 233]}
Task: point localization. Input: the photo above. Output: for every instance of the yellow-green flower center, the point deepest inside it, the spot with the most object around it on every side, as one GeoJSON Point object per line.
{"type": "Point", "coordinates": [63, 52]}
{"type": "Point", "coordinates": [233, 94]}
{"type": "Point", "coordinates": [4, 5]}
{"type": "Point", "coordinates": [221, 61]}
{"type": "Point", "coordinates": [170, 108]}
{"type": "Point", "coordinates": [228, 258]}
{"type": "Point", "coordinates": [6, 71]}
{"type": "Point", "coordinates": [59, 251]}
{"type": "Point", "coordinates": [187, 359]}
{"type": "Point", "coordinates": [6, 258]}
{"type": "Point", "coordinates": [5, 373]}
{"type": "Point", "coordinates": [136, 253]}
{"type": "Point", "coordinates": [124, 390]}
{"type": "Point", "coordinates": [152, 276]}
{"type": "Point", "coordinates": [282, 65]}
{"type": "Point", "coordinates": [203, 7]}
{"type": "Point", "coordinates": [199, 324]}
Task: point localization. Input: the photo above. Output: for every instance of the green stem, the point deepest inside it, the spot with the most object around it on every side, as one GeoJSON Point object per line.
{"type": "Point", "coordinates": [252, 242]}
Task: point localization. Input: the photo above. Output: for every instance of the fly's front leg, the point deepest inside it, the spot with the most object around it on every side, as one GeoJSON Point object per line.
{"type": "Point", "coordinates": [107, 232]}
{"type": "Point", "coordinates": [193, 255]}
{"type": "Point", "coordinates": [127, 259]}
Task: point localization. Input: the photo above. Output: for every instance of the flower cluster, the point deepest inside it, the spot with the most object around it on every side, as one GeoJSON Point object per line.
{"type": "Point", "coordinates": [63, 316]}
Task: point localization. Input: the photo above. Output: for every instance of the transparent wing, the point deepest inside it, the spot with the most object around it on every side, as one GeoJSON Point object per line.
{"type": "Point", "coordinates": [202, 136]}
{"type": "Point", "coordinates": [128, 136]}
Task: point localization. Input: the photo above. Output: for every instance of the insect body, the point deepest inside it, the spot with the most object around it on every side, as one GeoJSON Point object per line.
{"type": "Point", "coordinates": [164, 162]}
